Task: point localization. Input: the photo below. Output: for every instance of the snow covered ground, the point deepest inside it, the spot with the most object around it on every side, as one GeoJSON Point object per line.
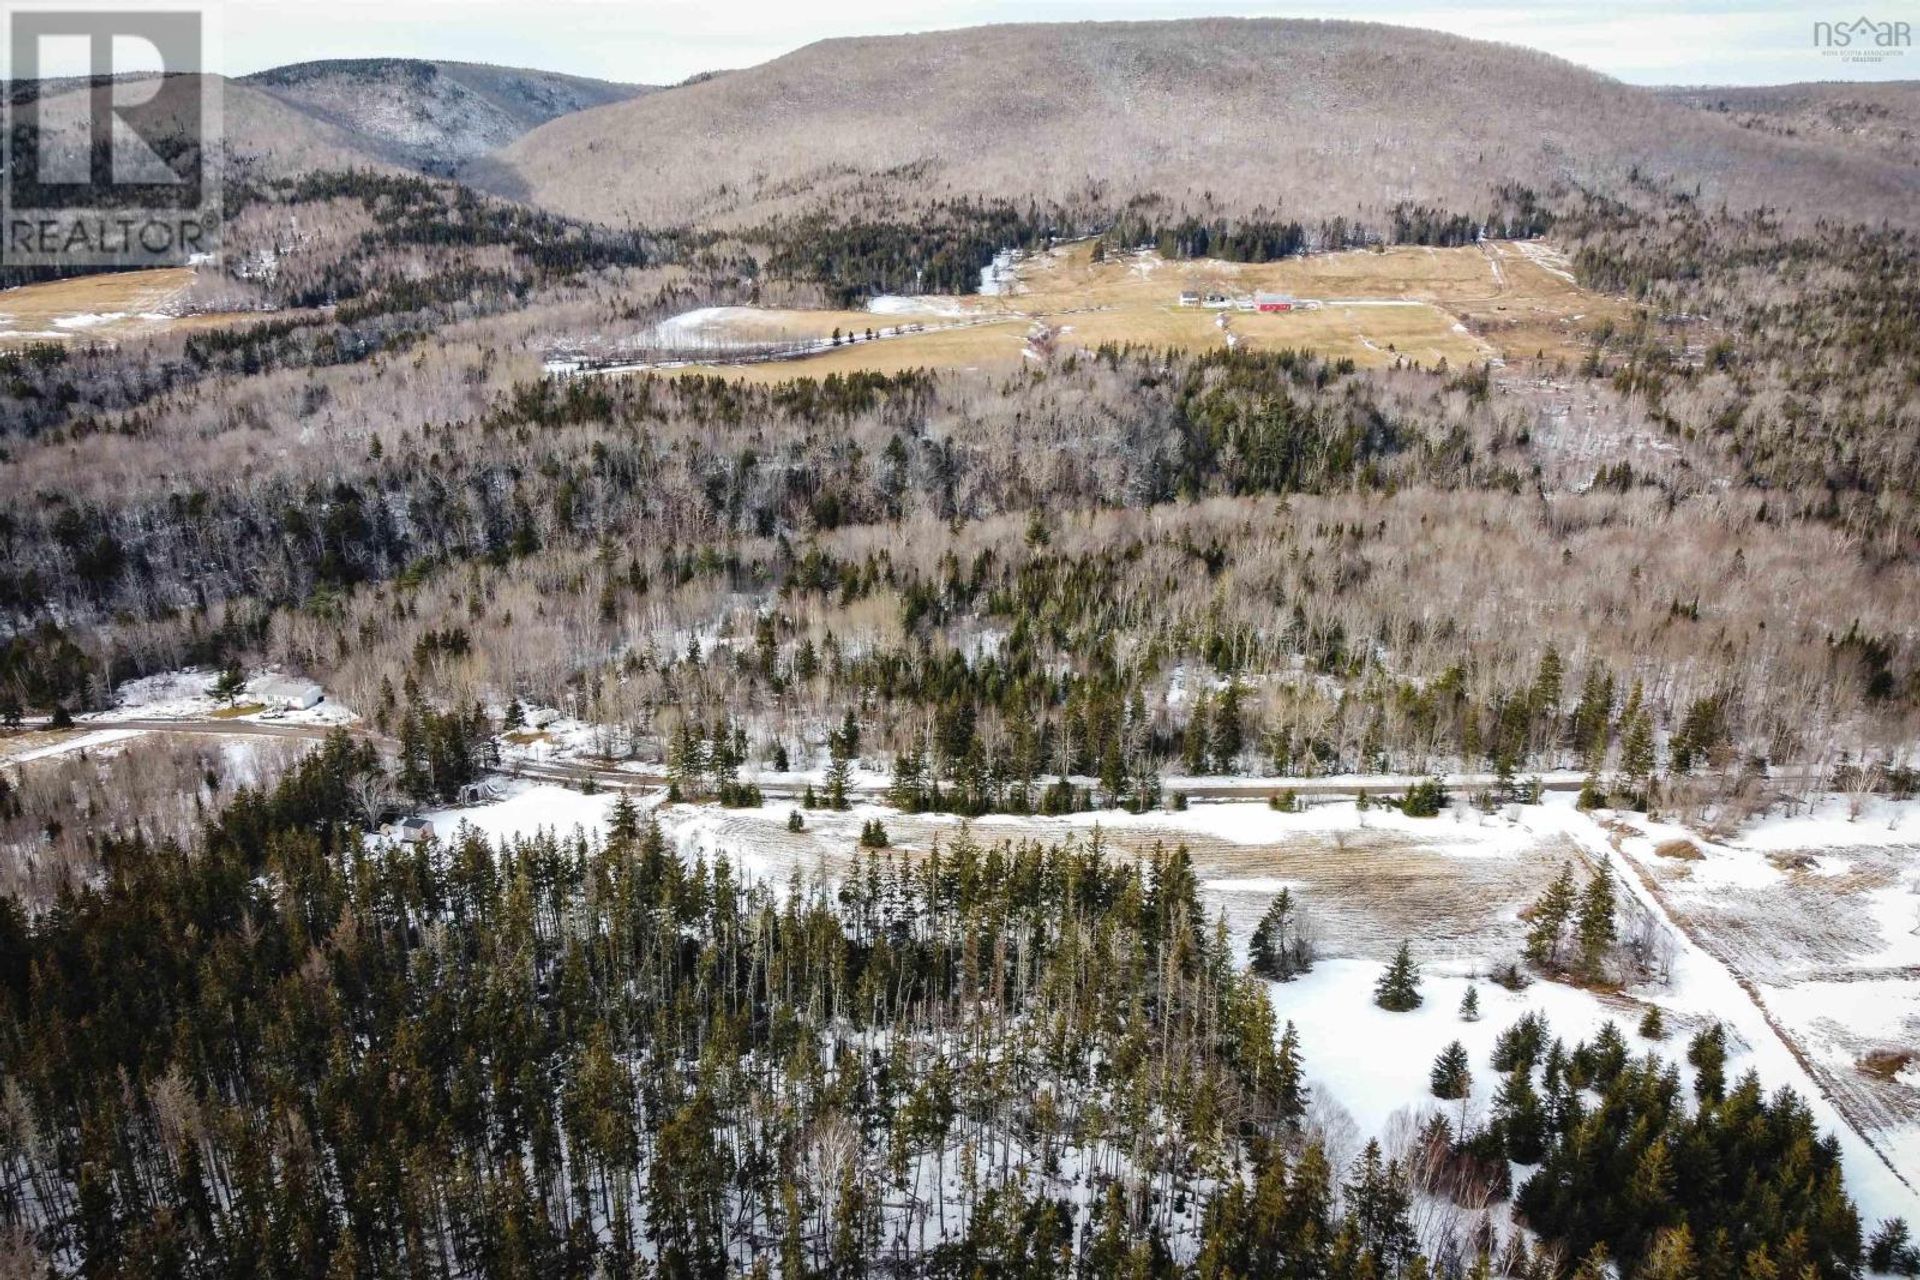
{"type": "Point", "coordinates": [1453, 886]}
{"type": "Point", "coordinates": [24, 750]}
{"type": "Point", "coordinates": [526, 809]}
{"type": "Point", "coordinates": [930, 304]}
{"type": "Point", "coordinates": [188, 695]}
{"type": "Point", "coordinates": [1809, 927]}
{"type": "Point", "coordinates": [1375, 1063]}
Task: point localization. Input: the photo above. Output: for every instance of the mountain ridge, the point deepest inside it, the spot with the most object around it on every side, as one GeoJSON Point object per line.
{"type": "Point", "coordinates": [1308, 117]}
{"type": "Point", "coordinates": [429, 114]}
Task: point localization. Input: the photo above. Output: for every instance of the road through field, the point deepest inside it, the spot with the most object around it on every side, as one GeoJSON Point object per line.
{"type": "Point", "coordinates": [1714, 983]}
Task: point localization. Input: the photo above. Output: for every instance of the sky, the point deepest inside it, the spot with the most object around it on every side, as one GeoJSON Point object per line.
{"type": "Point", "coordinates": [665, 41]}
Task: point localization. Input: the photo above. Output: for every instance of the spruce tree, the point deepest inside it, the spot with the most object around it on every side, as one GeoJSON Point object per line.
{"type": "Point", "coordinates": [1278, 950]}
{"type": "Point", "coordinates": [1637, 752]}
{"type": "Point", "coordinates": [1424, 799]}
{"type": "Point", "coordinates": [1545, 695]}
{"type": "Point", "coordinates": [1398, 990]}
{"type": "Point", "coordinates": [839, 767]}
{"type": "Point", "coordinates": [1548, 920]}
{"type": "Point", "coordinates": [1470, 1005]}
{"type": "Point", "coordinates": [1595, 929]}
{"type": "Point", "coordinates": [1379, 1209]}
{"type": "Point", "coordinates": [1452, 1076]}
{"type": "Point", "coordinates": [1290, 1091]}
{"type": "Point", "coordinates": [1226, 735]}
{"type": "Point", "coordinates": [1707, 1054]}
{"type": "Point", "coordinates": [623, 824]}
{"type": "Point", "coordinates": [1671, 1256]}
{"type": "Point", "coordinates": [231, 683]}
{"type": "Point", "coordinates": [1892, 1251]}
{"type": "Point", "coordinates": [1520, 1120]}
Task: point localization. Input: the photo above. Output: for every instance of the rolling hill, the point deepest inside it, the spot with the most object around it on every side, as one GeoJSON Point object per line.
{"type": "Point", "coordinates": [1310, 119]}
{"type": "Point", "coordinates": [1880, 120]}
{"type": "Point", "coordinates": [380, 113]}
{"type": "Point", "coordinates": [432, 116]}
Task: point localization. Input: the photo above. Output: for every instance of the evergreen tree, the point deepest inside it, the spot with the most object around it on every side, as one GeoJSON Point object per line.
{"type": "Point", "coordinates": [1197, 743]}
{"type": "Point", "coordinates": [1520, 1120]}
{"type": "Point", "coordinates": [230, 685]}
{"type": "Point", "coordinates": [1290, 1089]}
{"type": "Point", "coordinates": [1671, 1257]}
{"type": "Point", "coordinates": [1547, 920]}
{"type": "Point", "coordinates": [1637, 752]}
{"type": "Point", "coordinates": [1379, 1209]}
{"type": "Point", "coordinates": [1424, 799]}
{"type": "Point", "coordinates": [1226, 735]}
{"type": "Point", "coordinates": [1892, 1251]}
{"type": "Point", "coordinates": [1545, 695]}
{"type": "Point", "coordinates": [1279, 949]}
{"type": "Point", "coordinates": [1707, 1055]}
{"type": "Point", "coordinates": [1595, 928]}
{"type": "Point", "coordinates": [840, 752]}
{"type": "Point", "coordinates": [1451, 1077]}
{"type": "Point", "coordinates": [1470, 1005]}
{"type": "Point", "coordinates": [623, 822]}
{"type": "Point", "coordinates": [1398, 990]}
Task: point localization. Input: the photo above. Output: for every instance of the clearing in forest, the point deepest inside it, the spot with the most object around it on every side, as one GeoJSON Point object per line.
{"type": "Point", "coordinates": [1500, 300]}
{"type": "Point", "coordinates": [111, 305]}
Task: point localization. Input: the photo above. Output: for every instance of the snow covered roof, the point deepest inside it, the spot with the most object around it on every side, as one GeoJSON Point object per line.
{"type": "Point", "coordinates": [284, 687]}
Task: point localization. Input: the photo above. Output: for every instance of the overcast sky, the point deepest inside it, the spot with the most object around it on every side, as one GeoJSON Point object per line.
{"type": "Point", "coordinates": [663, 41]}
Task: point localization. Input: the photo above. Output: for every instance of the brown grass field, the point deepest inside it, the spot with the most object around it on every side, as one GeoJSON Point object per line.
{"type": "Point", "coordinates": [1496, 301]}
{"type": "Point", "coordinates": [1368, 889]}
{"type": "Point", "coordinates": [113, 307]}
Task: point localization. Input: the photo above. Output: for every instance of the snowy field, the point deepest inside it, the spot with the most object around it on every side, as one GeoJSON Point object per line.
{"type": "Point", "coordinates": [188, 695]}
{"type": "Point", "coordinates": [1744, 919]}
{"type": "Point", "coordinates": [1820, 914]}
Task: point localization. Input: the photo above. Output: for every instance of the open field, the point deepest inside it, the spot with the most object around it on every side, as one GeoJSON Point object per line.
{"type": "Point", "coordinates": [112, 306]}
{"type": "Point", "coordinates": [1452, 888]}
{"type": "Point", "coordinates": [1822, 917]}
{"type": "Point", "coordinates": [1506, 301]}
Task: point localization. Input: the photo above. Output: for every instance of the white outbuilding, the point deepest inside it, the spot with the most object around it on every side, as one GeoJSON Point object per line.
{"type": "Point", "coordinates": [286, 693]}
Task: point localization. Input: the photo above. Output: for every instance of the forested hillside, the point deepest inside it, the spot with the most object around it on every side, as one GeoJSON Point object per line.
{"type": "Point", "coordinates": [433, 116]}
{"type": "Point", "coordinates": [1304, 120]}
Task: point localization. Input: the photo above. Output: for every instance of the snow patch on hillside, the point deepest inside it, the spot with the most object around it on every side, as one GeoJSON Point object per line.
{"type": "Point", "coordinates": [929, 304]}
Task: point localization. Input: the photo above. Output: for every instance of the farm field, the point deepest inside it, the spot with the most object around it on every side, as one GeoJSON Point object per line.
{"type": "Point", "coordinates": [112, 306]}
{"type": "Point", "coordinates": [1501, 301]}
{"type": "Point", "coordinates": [1821, 916]}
